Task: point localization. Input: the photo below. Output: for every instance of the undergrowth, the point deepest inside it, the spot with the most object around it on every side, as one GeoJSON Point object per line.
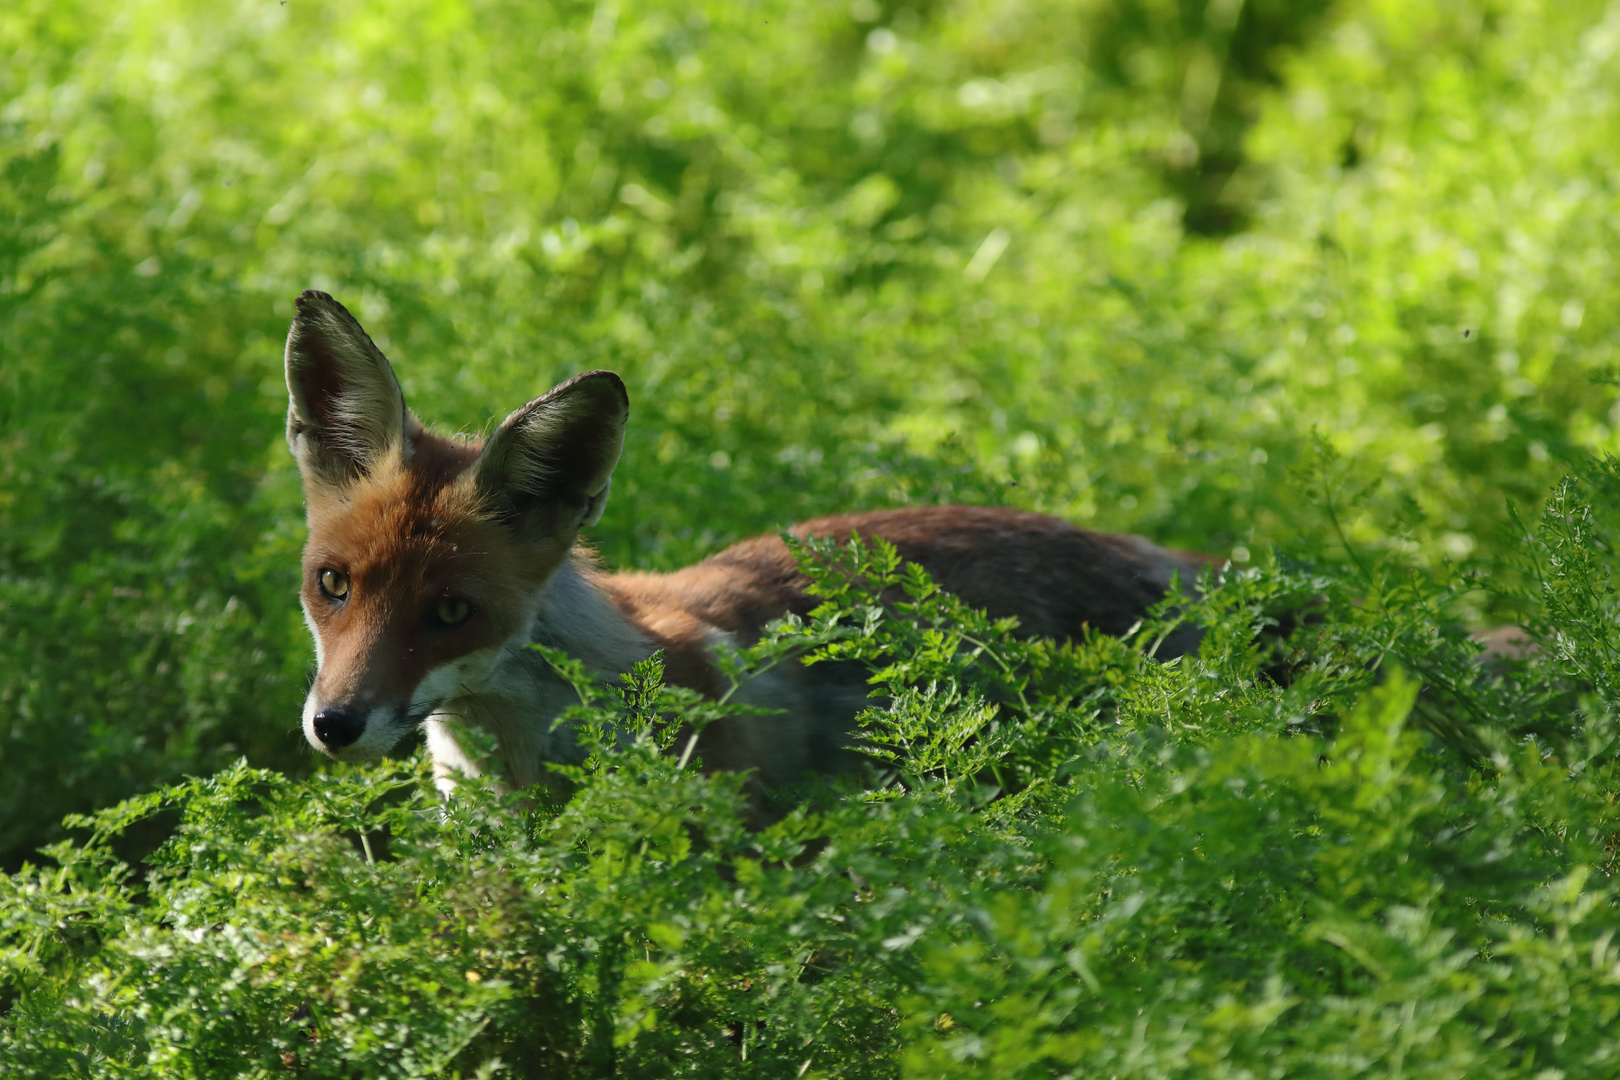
{"type": "Point", "coordinates": [1337, 841]}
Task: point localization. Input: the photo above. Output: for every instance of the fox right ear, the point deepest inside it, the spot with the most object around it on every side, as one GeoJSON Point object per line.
{"type": "Point", "coordinates": [548, 466]}
{"type": "Point", "coordinates": [345, 409]}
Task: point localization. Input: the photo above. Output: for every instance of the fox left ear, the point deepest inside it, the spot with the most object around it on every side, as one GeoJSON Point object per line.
{"type": "Point", "coordinates": [345, 409]}
{"type": "Point", "coordinates": [548, 466]}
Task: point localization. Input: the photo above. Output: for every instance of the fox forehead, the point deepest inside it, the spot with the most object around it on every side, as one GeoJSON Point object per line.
{"type": "Point", "coordinates": [400, 532]}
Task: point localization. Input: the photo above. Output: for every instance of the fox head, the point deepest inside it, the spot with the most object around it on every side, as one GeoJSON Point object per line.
{"type": "Point", "coordinates": [426, 555]}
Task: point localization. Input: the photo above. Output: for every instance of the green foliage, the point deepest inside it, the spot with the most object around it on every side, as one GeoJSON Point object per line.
{"type": "Point", "coordinates": [844, 255]}
{"type": "Point", "coordinates": [1067, 860]}
{"type": "Point", "coordinates": [1329, 288]}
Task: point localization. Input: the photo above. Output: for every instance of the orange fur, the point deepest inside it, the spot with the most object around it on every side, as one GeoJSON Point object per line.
{"type": "Point", "coordinates": [407, 536]}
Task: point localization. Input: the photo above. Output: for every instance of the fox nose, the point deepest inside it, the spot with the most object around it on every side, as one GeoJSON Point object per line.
{"type": "Point", "coordinates": [339, 726]}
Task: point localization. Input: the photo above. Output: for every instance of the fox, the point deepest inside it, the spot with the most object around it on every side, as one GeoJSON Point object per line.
{"type": "Point", "coordinates": [432, 563]}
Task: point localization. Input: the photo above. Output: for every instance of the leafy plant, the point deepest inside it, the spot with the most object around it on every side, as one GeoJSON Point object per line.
{"type": "Point", "coordinates": [1065, 858]}
{"type": "Point", "coordinates": [1326, 288]}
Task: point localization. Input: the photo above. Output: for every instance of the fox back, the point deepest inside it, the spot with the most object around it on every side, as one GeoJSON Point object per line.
{"type": "Point", "coordinates": [432, 564]}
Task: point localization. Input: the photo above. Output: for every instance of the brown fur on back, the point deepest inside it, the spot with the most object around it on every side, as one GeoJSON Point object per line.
{"type": "Point", "coordinates": [1056, 578]}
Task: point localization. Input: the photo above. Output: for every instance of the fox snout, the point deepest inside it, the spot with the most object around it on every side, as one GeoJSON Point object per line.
{"type": "Point", "coordinates": [338, 726]}
{"type": "Point", "coordinates": [353, 731]}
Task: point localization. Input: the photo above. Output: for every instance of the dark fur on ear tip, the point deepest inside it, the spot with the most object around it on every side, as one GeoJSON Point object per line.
{"type": "Point", "coordinates": [607, 380]}
{"type": "Point", "coordinates": [313, 301]}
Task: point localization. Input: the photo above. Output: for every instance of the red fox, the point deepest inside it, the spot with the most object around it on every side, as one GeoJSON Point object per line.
{"type": "Point", "coordinates": [433, 562]}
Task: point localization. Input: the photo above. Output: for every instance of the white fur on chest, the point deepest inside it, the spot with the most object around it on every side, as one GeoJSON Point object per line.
{"type": "Point", "coordinates": [512, 692]}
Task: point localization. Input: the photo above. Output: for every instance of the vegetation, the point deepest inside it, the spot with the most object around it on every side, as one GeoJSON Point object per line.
{"type": "Point", "coordinates": [1327, 288]}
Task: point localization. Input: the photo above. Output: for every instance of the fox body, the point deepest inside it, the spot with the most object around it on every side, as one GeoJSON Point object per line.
{"type": "Point", "coordinates": [432, 563]}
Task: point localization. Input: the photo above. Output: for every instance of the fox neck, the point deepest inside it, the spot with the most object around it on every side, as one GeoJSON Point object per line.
{"type": "Point", "coordinates": [575, 613]}
{"type": "Point", "coordinates": [520, 697]}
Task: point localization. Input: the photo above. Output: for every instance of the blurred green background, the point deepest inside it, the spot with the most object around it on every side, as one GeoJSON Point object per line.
{"type": "Point", "coordinates": [1116, 261]}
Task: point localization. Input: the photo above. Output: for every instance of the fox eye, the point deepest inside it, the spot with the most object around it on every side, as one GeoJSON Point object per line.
{"type": "Point", "coordinates": [334, 584]}
{"type": "Point", "coordinates": [452, 611]}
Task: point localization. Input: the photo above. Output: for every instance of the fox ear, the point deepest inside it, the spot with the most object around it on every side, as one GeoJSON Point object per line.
{"type": "Point", "coordinates": [345, 409]}
{"type": "Point", "coordinates": [548, 466]}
